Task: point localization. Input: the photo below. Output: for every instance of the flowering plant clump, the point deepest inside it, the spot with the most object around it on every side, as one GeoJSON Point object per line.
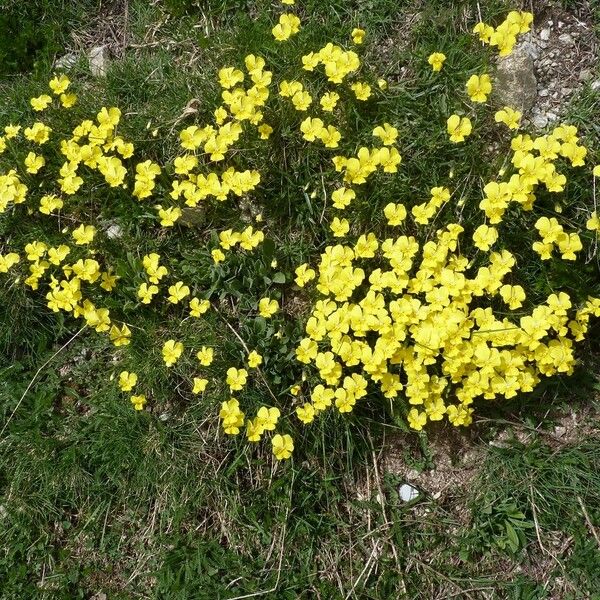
{"type": "Point", "coordinates": [428, 311]}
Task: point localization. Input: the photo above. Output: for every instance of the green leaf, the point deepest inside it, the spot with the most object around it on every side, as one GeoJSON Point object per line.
{"type": "Point", "coordinates": [279, 278]}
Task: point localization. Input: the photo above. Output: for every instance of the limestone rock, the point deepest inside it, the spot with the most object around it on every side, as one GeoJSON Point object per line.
{"type": "Point", "coordinates": [98, 59]}
{"type": "Point", "coordinates": [516, 85]}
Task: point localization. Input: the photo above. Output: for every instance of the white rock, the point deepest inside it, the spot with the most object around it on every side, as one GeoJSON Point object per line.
{"type": "Point", "coordinates": [543, 93]}
{"type": "Point", "coordinates": [539, 121]}
{"type": "Point", "coordinates": [98, 61]}
{"type": "Point", "coordinates": [407, 492]}
{"type": "Point", "coordinates": [551, 117]}
{"type": "Point", "coordinates": [596, 84]}
{"type": "Point", "coordinates": [565, 38]}
{"type": "Point", "coordinates": [114, 232]}
{"type": "Point", "coordinates": [66, 62]}
{"type": "Point", "coordinates": [545, 35]}
{"type": "Point", "coordinates": [531, 49]}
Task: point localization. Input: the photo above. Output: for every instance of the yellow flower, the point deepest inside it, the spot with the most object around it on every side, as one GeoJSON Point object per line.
{"type": "Point", "coordinates": [342, 197]}
{"type": "Point", "coordinates": [416, 419]}
{"type": "Point", "coordinates": [58, 85]}
{"type": "Point", "coordinates": [283, 446]}
{"type": "Point", "coordinates": [232, 416]}
{"type": "Point", "coordinates": [510, 117]}
{"type": "Point", "coordinates": [127, 381]}
{"type": "Point", "coordinates": [34, 162]}
{"type": "Point", "coordinates": [358, 35]}
{"type": "Point", "coordinates": [301, 100]}
{"type": "Point", "coordinates": [268, 417]}
{"type": "Point", "coordinates": [229, 77]}
{"type": "Point", "coordinates": [50, 203]}
{"type": "Point", "coordinates": [362, 91]}
{"type": "Point", "coordinates": [330, 136]}
{"type": "Point", "coordinates": [84, 234]}
{"type": "Point", "coordinates": [458, 128]}
{"type": "Point", "coordinates": [306, 413]}
{"type": "Point", "coordinates": [485, 237]}
{"type": "Point", "coordinates": [12, 131]}
{"type": "Point", "coordinates": [7, 261]}
{"type": "Point", "coordinates": [394, 213]}
{"type": "Point", "coordinates": [146, 292]}
{"type": "Point", "coordinates": [236, 378]}
{"type": "Point", "coordinates": [217, 255]}
{"type": "Point", "coordinates": [265, 131]}
{"type": "Point", "coordinates": [68, 100]}
{"type": "Point", "coordinates": [138, 402]}
{"type": "Point", "coordinates": [168, 216]}
{"type": "Point", "coordinates": [513, 295]}
{"type": "Point", "coordinates": [304, 274]}
{"type": "Point", "coordinates": [120, 336]}
{"type": "Point", "coordinates": [484, 31]}
{"type": "Point", "coordinates": [436, 60]}
{"type": "Point", "coordinates": [198, 307]}
{"type": "Point", "coordinates": [479, 87]}
{"type": "Point", "coordinates": [596, 171]}
{"type": "Point", "coordinates": [254, 359]}
{"type": "Point", "coordinates": [593, 223]}
{"type": "Point", "coordinates": [311, 129]}
{"type": "Point", "coordinates": [386, 133]}
{"type": "Point", "coordinates": [267, 307]}
{"type": "Point", "coordinates": [205, 356]}
{"type": "Point", "coordinates": [171, 352]}
{"type": "Point", "coordinates": [41, 102]}
{"type": "Point", "coordinates": [329, 100]}
{"type": "Point", "coordinates": [199, 385]}
{"type": "Point", "coordinates": [38, 133]}
{"type": "Point", "coordinates": [178, 292]}
{"type": "Point", "coordinates": [288, 25]}
{"type": "Point", "coordinates": [340, 227]}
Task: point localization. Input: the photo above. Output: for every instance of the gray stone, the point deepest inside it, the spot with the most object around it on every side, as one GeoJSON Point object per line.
{"type": "Point", "coordinates": [114, 231]}
{"type": "Point", "coordinates": [545, 35]}
{"type": "Point", "coordinates": [585, 75]}
{"type": "Point", "coordinates": [66, 62]}
{"type": "Point", "coordinates": [192, 216]}
{"type": "Point", "coordinates": [596, 85]}
{"type": "Point", "coordinates": [531, 49]}
{"type": "Point", "coordinates": [565, 38]}
{"type": "Point", "coordinates": [98, 59]}
{"type": "Point", "coordinates": [543, 93]}
{"type": "Point", "coordinates": [516, 85]}
{"type": "Point", "coordinates": [539, 121]}
{"type": "Point", "coordinates": [551, 117]}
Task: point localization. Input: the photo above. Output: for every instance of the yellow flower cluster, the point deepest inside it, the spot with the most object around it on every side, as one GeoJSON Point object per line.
{"type": "Point", "coordinates": [504, 37]}
{"type": "Point", "coordinates": [428, 319]}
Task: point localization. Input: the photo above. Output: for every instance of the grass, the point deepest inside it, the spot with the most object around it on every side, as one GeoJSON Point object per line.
{"type": "Point", "coordinates": [95, 497]}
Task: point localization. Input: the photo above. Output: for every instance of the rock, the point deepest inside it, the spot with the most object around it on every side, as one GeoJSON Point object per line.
{"type": "Point", "coordinates": [543, 93]}
{"type": "Point", "coordinates": [407, 492]}
{"type": "Point", "coordinates": [539, 121]}
{"type": "Point", "coordinates": [585, 75]}
{"type": "Point", "coordinates": [98, 61]}
{"type": "Point", "coordinates": [565, 38]}
{"type": "Point", "coordinates": [114, 231]}
{"type": "Point", "coordinates": [66, 62]}
{"type": "Point", "coordinates": [559, 431]}
{"type": "Point", "coordinates": [192, 216]}
{"type": "Point", "coordinates": [531, 49]}
{"type": "Point", "coordinates": [545, 35]}
{"type": "Point", "coordinates": [551, 117]}
{"type": "Point", "coordinates": [596, 85]}
{"type": "Point", "coordinates": [516, 85]}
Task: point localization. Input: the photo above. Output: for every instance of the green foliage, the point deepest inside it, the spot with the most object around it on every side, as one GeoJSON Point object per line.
{"type": "Point", "coordinates": [33, 33]}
